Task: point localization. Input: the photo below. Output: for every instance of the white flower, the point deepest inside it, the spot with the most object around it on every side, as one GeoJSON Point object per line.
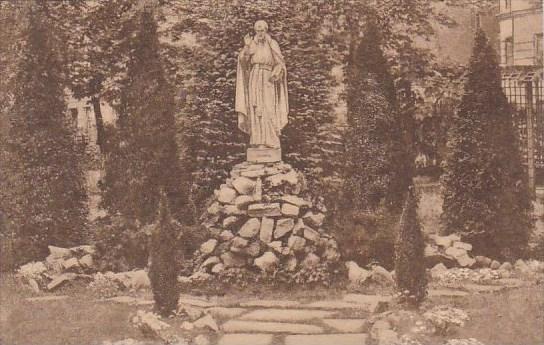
{"type": "Point", "coordinates": [443, 317]}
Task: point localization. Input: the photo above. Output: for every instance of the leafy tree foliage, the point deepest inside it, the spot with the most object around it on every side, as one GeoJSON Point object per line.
{"type": "Point", "coordinates": [143, 157]}
{"type": "Point", "coordinates": [101, 36]}
{"type": "Point", "coordinates": [47, 201]}
{"type": "Point", "coordinates": [437, 99]}
{"type": "Point", "coordinates": [410, 273]}
{"type": "Point", "coordinates": [486, 198]}
{"type": "Point", "coordinates": [399, 23]}
{"type": "Point", "coordinates": [98, 58]}
{"type": "Point", "coordinates": [121, 244]}
{"type": "Point", "coordinates": [163, 270]}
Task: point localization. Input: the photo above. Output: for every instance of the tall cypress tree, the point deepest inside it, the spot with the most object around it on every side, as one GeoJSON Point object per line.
{"type": "Point", "coordinates": [410, 273]}
{"type": "Point", "coordinates": [163, 270]}
{"type": "Point", "coordinates": [486, 198]}
{"type": "Point", "coordinates": [144, 157]}
{"type": "Point", "coordinates": [50, 190]}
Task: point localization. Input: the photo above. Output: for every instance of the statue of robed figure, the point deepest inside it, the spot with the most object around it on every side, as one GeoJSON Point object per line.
{"type": "Point", "coordinates": [261, 94]}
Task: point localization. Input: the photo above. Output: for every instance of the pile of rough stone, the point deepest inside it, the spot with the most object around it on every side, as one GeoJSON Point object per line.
{"type": "Point", "coordinates": [376, 274]}
{"type": "Point", "coordinates": [76, 259]}
{"type": "Point", "coordinates": [262, 217]}
{"type": "Point", "coordinates": [444, 252]}
{"type": "Point", "coordinates": [486, 270]}
{"type": "Point", "coordinates": [62, 265]}
{"type": "Point", "coordinates": [449, 251]}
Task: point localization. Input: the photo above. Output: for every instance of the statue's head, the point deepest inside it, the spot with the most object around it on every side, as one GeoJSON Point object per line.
{"type": "Point", "coordinates": [261, 28]}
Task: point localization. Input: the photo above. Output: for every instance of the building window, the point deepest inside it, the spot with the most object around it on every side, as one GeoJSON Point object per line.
{"type": "Point", "coordinates": [73, 116]}
{"type": "Point", "coordinates": [538, 49]}
{"type": "Point", "coordinates": [508, 51]}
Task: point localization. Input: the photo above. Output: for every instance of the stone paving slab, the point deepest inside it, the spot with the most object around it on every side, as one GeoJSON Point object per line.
{"type": "Point", "coordinates": [369, 303]}
{"type": "Point", "coordinates": [346, 325]}
{"type": "Point", "coordinates": [245, 339]}
{"type": "Point", "coordinates": [270, 303]}
{"type": "Point", "coordinates": [286, 315]}
{"type": "Point", "coordinates": [197, 302]}
{"type": "Point", "coordinates": [224, 312]}
{"type": "Point", "coordinates": [46, 298]}
{"type": "Point", "coordinates": [239, 326]}
{"type": "Point", "coordinates": [362, 299]}
{"type": "Point", "coordinates": [130, 300]}
{"type": "Point", "coordinates": [334, 304]}
{"type": "Point", "coordinates": [327, 339]}
{"type": "Point", "coordinates": [446, 293]}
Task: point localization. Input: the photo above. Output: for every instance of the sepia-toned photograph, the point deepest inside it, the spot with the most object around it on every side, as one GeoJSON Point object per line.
{"type": "Point", "coordinates": [271, 172]}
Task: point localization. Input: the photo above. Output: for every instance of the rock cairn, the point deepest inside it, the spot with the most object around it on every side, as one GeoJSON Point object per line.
{"type": "Point", "coordinates": [262, 218]}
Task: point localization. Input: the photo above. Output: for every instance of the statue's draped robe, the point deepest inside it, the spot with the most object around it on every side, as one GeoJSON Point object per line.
{"type": "Point", "coordinates": [261, 92]}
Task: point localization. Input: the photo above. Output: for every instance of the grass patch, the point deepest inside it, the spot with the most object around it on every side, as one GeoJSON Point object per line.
{"type": "Point", "coordinates": [77, 320]}
{"type": "Point", "coordinates": [511, 317]}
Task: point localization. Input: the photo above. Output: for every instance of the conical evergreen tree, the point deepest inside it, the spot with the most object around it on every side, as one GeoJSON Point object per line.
{"type": "Point", "coordinates": [410, 271]}
{"type": "Point", "coordinates": [50, 191]}
{"type": "Point", "coordinates": [163, 270]}
{"type": "Point", "coordinates": [486, 198]}
{"type": "Point", "coordinates": [144, 156]}
{"type": "Point", "coordinates": [369, 205]}
{"type": "Point", "coordinates": [370, 139]}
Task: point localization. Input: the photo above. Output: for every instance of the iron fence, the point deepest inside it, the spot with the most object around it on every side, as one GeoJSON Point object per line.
{"type": "Point", "coordinates": [524, 91]}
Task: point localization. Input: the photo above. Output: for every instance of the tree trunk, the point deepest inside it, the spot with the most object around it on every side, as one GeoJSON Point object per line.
{"type": "Point", "coordinates": [99, 122]}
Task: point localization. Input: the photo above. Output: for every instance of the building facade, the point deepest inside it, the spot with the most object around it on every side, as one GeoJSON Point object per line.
{"type": "Point", "coordinates": [81, 116]}
{"type": "Point", "coordinates": [520, 23]}
{"type": "Point", "coordinates": [521, 58]}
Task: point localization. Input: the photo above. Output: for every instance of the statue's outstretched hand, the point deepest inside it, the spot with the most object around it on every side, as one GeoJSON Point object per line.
{"type": "Point", "coordinates": [247, 39]}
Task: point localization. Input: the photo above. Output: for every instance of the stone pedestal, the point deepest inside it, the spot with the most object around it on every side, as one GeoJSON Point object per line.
{"type": "Point", "coordinates": [263, 218]}
{"type": "Point", "coordinates": [263, 155]}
